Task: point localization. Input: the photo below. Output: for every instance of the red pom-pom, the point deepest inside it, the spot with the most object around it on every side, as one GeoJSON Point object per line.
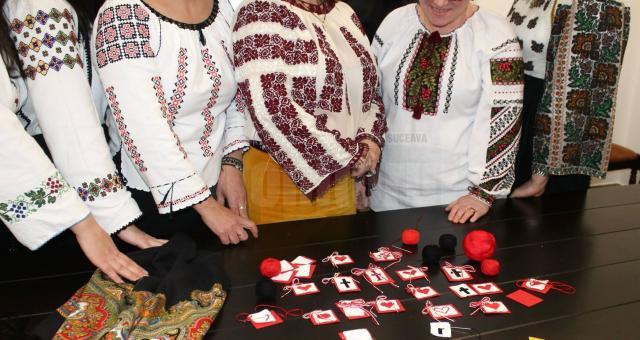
{"type": "Point", "coordinates": [479, 245]}
{"type": "Point", "coordinates": [490, 267]}
{"type": "Point", "coordinates": [270, 267]}
{"type": "Point", "coordinates": [410, 237]}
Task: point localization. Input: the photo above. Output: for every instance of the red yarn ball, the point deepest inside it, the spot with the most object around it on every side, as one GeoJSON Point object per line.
{"type": "Point", "coordinates": [410, 237]}
{"type": "Point", "coordinates": [479, 245]}
{"type": "Point", "coordinates": [270, 267]}
{"type": "Point", "coordinates": [490, 267]}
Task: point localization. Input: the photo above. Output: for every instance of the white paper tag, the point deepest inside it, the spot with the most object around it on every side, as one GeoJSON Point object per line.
{"type": "Point", "coordinates": [441, 329]}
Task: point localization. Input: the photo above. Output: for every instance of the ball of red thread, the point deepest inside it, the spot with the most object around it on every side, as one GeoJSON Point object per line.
{"type": "Point", "coordinates": [479, 245]}
{"type": "Point", "coordinates": [490, 267]}
{"type": "Point", "coordinates": [270, 267]}
{"type": "Point", "coordinates": [410, 237]}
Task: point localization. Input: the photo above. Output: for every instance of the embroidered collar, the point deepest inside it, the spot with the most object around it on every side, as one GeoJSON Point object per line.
{"type": "Point", "coordinates": [194, 27]}
{"type": "Point", "coordinates": [323, 8]}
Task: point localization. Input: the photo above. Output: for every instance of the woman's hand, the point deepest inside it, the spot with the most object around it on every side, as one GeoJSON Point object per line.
{"type": "Point", "coordinates": [466, 208]}
{"type": "Point", "coordinates": [362, 201]}
{"type": "Point", "coordinates": [99, 248]}
{"type": "Point", "coordinates": [136, 237]}
{"type": "Point", "coordinates": [534, 187]}
{"type": "Point", "coordinates": [230, 188]}
{"type": "Point", "coordinates": [368, 163]}
{"type": "Point", "coordinates": [228, 226]}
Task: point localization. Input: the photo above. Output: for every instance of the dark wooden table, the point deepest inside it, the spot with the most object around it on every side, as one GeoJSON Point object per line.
{"type": "Point", "coordinates": [591, 242]}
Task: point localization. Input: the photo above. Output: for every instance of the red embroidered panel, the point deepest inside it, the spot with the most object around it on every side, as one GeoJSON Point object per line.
{"type": "Point", "coordinates": [122, 130]}
{"type": "Point", "coordinates": [332, 92]}
{"type": "Point", "coordinates": [273, 46]}
{"type": "Point", "coordinates": [264, 11]}
{"type": "Point", "coordinates": [304, 93]}
{"type": "Point", "coordinates": [166, 113]}
{"type": "Point", "coordinates": [215, 77]}
{"type": "Point", "coordinates": [369, 73]}
{"type": "Point", "coordinates": [358, 23]}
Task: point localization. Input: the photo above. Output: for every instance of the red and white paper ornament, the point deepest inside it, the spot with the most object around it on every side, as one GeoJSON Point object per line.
{"type": "Point", "coordinates": [385, 254]}
{"type": "Point", "coordinates": [489, 307]}
{"type": "Point", "coordinates": [438, 312]}
{"type": "Point", "coordinates": [343, 283]}
{"type": "Point", "coordinates": [384, 305]}
{"type": "Point", "coordinates": [463, 290]}
{"type": "Point", "coordinates": [355, 334]}
{"type": "Point", "coordinates": [336, 259]}
{"type": "Point", "coordinates": [321, 317]}
{"type": "Point", "coordinates": [375, 275]}
{"type": "Point", "coordinates": [544, 286]}
{"type": "Point", "coordinates": [267, 316]}
{"type": "Point", "coordinates": [358, 309]}
{"type": "Point", "coordinates": [413, 273]}
{"type": "Point", "coordinates": [421, 293]}
{"type": "Point", "coordinates": [300, 289]}
{"type": "Point", "coordinates": [486, 288]}
{"type": "Point", "coordinates": [457, 273]}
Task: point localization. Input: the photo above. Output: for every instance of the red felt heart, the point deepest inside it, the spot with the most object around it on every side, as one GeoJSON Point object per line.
{"type": "Point", "coordinates": [485, 287]}
{"type": "Point", "coordinates": [304, 287]}
{"type": "Point", "coordinates": [535, 282]}
{"type": "Point", "coordinates": [424, 290]}
{"type": "Point", "coordinates": [387, 304]}
{"type": "Point", "coordinates": [340, 258]}
{"type": "Point", "coordinates": [324, 316]}
{"type": "Point", "coordinates": [410, 272]}
{"type": "Point", "coordinates": [492, 305]}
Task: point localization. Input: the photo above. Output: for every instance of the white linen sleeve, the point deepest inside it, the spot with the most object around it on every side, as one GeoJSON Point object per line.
{"type": "Point", "coordinates": [36, 203]}
{"type": "Point", "coordinates": [49, 50]}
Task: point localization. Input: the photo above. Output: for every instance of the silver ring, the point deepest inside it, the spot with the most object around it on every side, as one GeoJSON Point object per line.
{"type": "Point", "coordinates": [242, 207]}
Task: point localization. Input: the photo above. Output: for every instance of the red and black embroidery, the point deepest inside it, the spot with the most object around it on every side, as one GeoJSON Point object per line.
{"type": "Point", "coordinates": [214, 75]}
{"type": "Point", "coordinates": [304, 93]}
{"type": "Point", "coordinates": [122, 130]}
{"type": "Point", "coordinates": [273, 46]}
{"type": "Point", "coordinates": [265, 11]}
{"type": "Point", "coordinates": [122, 33]}
{"type": "Point", "coordinates": [166, 112]}
{"type": "Point", "coordinates": [423, 78]}
{"type": "Point", "coordinates": [280, 156]}
{"type": "Point", "coordinates": [369, 72]}
{"type": "Point", "coordinates": [180, 200]}
{"type": "Point", "coordinates": [507, 71]}
{"type": "Point", "coordinates": [180, 86]}
{"type": "Point", "coordinates": [46, 42]}
{"type": "Point", "coordinates": [332, 92]}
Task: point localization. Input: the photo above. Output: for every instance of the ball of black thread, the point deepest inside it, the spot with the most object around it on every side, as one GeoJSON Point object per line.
{"type": "Point", "coordinates": [448, 242]}
{"type": "Point", "coordinates": [431, 254]}
{"type": "Point", "coordinates": [266, 290]}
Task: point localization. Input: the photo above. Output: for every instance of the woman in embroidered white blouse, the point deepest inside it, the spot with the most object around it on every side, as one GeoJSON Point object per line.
{"type": "Point", "coordinates": [452, 91]}
{"type": "Point", "coordinates": [169, 80]}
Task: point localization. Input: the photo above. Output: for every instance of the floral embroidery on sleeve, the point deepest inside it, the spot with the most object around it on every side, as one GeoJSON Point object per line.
{"type": "Point", "coordinates": [21, 207]}
{"type": "Point", "coordinates": [99, 187]}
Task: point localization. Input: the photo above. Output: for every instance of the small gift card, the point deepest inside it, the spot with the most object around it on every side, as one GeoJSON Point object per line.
{"type": "Point", "coordinates": [346, 284]}
{"type": "Point", "coordinates": [411, 274]}
{"type": "Point", "coordinates": [324, 317]}
{"type": "Point", "coordinates": [389, 306]}
{"type": "Point", "coordinates": [486, 288]}
{"type": "Point", "coordinates": [384, 256]}
{"type": "Point", "coordinates": [377, 276]}
{"type": "Point", "coordinates": [305, 289]}
{"type": "Point", "coordinates": [422, 293]}
{"type": "Point", "coordinates": [495, 307]}
{"type": "Point", "coordinates": [353, 313]}
{"type": "Point", "coordinates": [442, 311]}
{"type": "Point", "coordinates": [339, 260]}
{"type": "Point", "coordinates": [302, 260]}
{"type": "Point", "coordinates": [286, 266]}
{"type": "Point", "coordinates": [456, 274]}
{"type": "Point", "coordinates": [463, 290]}
{"type": "Point", "coordinates": [356, 334]}
{"type": "Point", "coordinates": [524, 298]}
{"type": "Point", "coordinates": [264, 318]}
{"type": "Point", "coordinates": [305, 271]}
{"type": "Point", "coordinates": [285, 277]}
{"type": "Point", "coordinates": [441, 329]}
{"type": "Point", "coordinates": [540, 286]}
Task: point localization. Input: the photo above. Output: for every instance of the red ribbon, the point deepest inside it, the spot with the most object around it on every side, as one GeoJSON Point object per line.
{"type": "Point", "coordinates": [478, 304]}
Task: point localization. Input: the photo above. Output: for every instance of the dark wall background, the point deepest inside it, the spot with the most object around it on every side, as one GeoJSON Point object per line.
{"type": "Point", "coordinates": [372, 12]}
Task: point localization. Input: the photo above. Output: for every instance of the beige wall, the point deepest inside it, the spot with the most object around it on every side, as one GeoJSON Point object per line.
{"type": "Point", "coordinates": [627, 126]}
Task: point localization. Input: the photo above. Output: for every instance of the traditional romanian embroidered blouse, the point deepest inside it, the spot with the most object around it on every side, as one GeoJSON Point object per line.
{"type": "Point", "coordinates": [171, 89]}
{"type": "Point", "coordinates": [453, 104]}
{"type": "Point", "coordinates": [60, 96]}
{"type": "Point", "coordinates": [309, 81]}
{"type": "Point", "coordinates": [36, 203]}
{"type": "Point", "coordinates": [574, 122]}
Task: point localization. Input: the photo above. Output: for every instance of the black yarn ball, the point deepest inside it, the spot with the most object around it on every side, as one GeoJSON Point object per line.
{"type": "Point", "coordinates": [431, 254]}
{"type": "Point", "coordinates": [448, 242]}
{"type": "Point", "coordinates": [266, 290]}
